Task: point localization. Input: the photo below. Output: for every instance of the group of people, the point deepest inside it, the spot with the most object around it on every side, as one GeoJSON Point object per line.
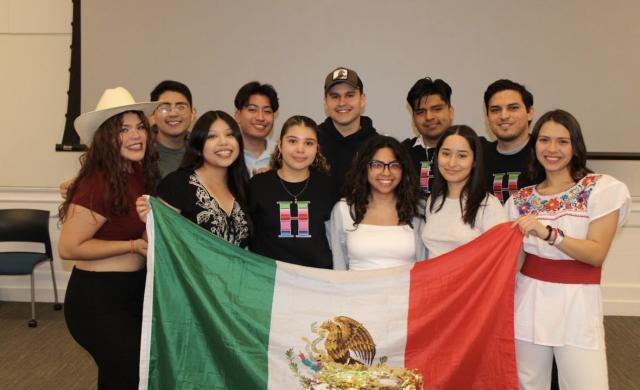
{"type": "Point", "coordinates": [339, 195]}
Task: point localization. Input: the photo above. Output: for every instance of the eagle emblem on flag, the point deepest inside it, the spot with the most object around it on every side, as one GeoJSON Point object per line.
{"type": "Point", "coordinates": [344, 335]}
{"type": "Point", "coordinates": [347, 359]}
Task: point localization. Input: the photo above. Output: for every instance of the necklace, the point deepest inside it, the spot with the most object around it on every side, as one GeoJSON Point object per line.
{"type": "Point", "coordinates": [295, 196]}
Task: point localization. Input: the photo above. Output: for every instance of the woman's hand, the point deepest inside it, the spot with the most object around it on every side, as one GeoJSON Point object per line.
{"type": "Point", "coordinates": [140, 246]}
{"type": "Point", "coordinates": [142, 208]}
{"type": "Point", "coordinates": [529, 225]}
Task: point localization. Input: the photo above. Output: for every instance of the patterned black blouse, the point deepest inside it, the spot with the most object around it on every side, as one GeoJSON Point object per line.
{"type": "Point", "coordinates": [183, 190]}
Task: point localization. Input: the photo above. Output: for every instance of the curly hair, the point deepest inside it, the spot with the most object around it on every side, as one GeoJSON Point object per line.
{"type": "Point", "coordinates": [578, 164]}
{"type": "Point", "coordinates": [319, 164]}
{"type": "Point", "coordinates": [357, 188]}
{"type": "Point", "coordinates": [103, 158]}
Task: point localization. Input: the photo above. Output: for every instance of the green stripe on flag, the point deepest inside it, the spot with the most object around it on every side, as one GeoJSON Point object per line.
{"type": "Point", "coordinates": [194, 277]}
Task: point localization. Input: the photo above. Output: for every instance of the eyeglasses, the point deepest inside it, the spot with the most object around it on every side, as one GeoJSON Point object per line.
{"type": "Point", "coordinates": [165, 108]}
{"type": "Point", "coordinates": [379, 166]}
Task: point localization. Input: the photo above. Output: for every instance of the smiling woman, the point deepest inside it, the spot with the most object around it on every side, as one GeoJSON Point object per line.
{"type": "Point", "coordinates": [210, 188]}
{"type": "Point", "coordinates": [569, 221]}
{"type": "Point", "coordinates": [101, 231]}
{"type": "Point", "coordinates": [459, 208]}
{"type": "Point", "coordinates": [290, 203]}
{"type": "Point", "coordinates": [133, 137]}
{"type": "Point", "coordinates": [378, 223]}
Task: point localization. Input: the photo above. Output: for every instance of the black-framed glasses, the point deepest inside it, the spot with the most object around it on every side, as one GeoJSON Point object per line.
{"type": "Point", "coordinates": [379, 166]}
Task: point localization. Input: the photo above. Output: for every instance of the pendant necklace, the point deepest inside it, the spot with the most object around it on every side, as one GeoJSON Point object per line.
{"type": "Point", "coordinates": [295, 196]}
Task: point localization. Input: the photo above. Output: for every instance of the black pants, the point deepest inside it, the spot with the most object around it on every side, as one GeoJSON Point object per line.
{"type": "Point", "coordinates": [103, 311]}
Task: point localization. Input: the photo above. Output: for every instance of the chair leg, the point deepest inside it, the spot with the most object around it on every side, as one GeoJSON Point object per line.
{"type": "Point", "coordinates": [32, 322]}
{"type": "Point", "coordinates": [56, 305]}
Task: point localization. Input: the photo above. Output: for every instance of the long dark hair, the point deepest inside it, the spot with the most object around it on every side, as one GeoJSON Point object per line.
{"type": "Point", "coordinates": [358, 189]}
{"type": "Point", "coordinates": [474, 191]}
{"type": "Point", "coordinates": [578, 165]}
{"type": "Point", "coordinates": [319, 164]}
{"type": "Point", "coordinates": [237, 175]}
{"type": "Point", "coordinates": [103, 158]}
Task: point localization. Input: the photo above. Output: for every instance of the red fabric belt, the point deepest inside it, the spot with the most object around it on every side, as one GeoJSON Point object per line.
{"type": "Point", "coordinates": [560, 271]}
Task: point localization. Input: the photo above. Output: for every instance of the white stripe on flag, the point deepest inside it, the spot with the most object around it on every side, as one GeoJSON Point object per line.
{"type": "Point", "coordinates": [147, 312]}
{"type": "Point", "coordinates": [378, 299]}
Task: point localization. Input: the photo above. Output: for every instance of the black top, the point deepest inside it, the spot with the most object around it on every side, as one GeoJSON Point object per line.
{"type": "Point", "coordinates": [422, 161]}
{"type": "Point", "coordinates": [290, 231]}
{"type": "Point", "coordinates": [340, 150]}
{"type": "Point", "coordinates": [182, 190]}
{"type": "Point", "coordinates": [505, 173]}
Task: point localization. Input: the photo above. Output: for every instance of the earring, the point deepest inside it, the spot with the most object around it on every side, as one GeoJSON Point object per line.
{"type": "Point", "coordinates": [278, 155]}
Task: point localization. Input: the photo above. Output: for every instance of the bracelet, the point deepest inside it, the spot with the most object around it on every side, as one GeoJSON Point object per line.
{"type": "Point", "coordinates": [554, 236]}
{"type": "Point", "coordinates": [559, 237]}
{"type": "Point", "coordinates": [550, 230]}
{"type": "Point", "coordinates": [132, 248]}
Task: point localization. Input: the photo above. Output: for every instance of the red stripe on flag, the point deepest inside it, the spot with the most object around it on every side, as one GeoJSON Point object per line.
{"type": "Point", "coordinates": [460, 321]}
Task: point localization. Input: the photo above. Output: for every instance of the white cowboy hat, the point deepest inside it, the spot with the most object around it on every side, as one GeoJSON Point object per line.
{"type": "Point", "coordinates": [112, 102]}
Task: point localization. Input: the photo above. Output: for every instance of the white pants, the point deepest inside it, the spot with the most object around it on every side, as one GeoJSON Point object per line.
{"type": "Point", "coordinates": [578, 368]}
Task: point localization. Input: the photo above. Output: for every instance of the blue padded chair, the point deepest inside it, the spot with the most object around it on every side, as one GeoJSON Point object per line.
{"type": "Point", "coordinates": [25, 225]}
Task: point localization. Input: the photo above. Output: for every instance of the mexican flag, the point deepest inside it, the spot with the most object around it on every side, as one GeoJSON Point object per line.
{"type": "Point", "coordinates": [220, 317]}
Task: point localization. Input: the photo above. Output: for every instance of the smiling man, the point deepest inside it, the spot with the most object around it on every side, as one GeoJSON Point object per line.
{"type": "Point", "coordinates": [432, 114]}
{"type": "Point", "coordinates": [509, 108]}
{"type": "Point", "coordinates": [172, 120]}
{"type": "Point", "coordinates": [510, 111]}
{"type": "Point", "coordinates": [345, 128]}
{"type": "Point", "coordinates": [256, 107]}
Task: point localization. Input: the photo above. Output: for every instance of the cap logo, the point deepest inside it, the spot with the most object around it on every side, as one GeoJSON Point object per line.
{"type": "Point", "coordinates": [340, 74]}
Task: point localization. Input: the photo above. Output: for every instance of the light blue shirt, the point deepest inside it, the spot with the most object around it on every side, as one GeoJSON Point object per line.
{"type": "Point", "coordinates": [254, 163]}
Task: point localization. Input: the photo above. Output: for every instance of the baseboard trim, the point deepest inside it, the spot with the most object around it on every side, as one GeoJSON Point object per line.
{"type": "Point", "coordinates": [621, 299]}
{"type": "Point", "coordinates": [611, 307]}
{"type": "Point", "coordinates": [22, 294]}
{"type": "Point", "coordinates": [621, 308]}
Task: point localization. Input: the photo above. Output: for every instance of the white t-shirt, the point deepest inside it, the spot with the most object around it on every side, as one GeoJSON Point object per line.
{"type": "Point", "coordinates": [557, 314]}
{"type": "Point", "coordinates": [444, 230]}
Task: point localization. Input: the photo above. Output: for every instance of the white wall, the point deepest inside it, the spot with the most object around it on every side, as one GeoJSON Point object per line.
{"type": "Point", "coordinates": [34, 41]}
{"type": "Point", "coordinates": [573, 54]}
{"type": "Point", "coordinates": [35, 36]}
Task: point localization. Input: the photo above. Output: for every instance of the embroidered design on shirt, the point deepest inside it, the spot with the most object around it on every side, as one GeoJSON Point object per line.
{"type": "Point", "coordinates": [232, 228]}
{"type": "Point", "coordinates": [498, 184]}
{"type": "Point", "coordinates": [425, 175]}
{"type": "Point", "coordinates": [286, 217]}
{"type": "Point", "coordinates": [573, 201]}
